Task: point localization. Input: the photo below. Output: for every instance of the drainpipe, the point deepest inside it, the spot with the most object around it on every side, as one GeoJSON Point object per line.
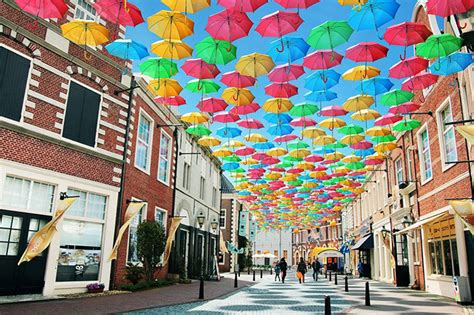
{"type": "Point", "coordinates": [175, 175]}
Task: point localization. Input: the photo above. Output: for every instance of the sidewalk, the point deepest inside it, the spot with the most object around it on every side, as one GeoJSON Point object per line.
{"type": "Point", "coordinates": [170, 295]}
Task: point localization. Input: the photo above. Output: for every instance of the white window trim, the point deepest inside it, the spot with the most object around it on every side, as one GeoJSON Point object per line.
{"type": "Point", "coordinates": [225, 219]}
{"type": "Point", "coordinates": [420, 154]}
{"type": "Point", "coordinates": [76, 6]}
{"type": "Point", "coordinates": [442, 145]}
{"type": "Point", "coordinates": [165, 215]}
{"type": "Point", "coordinates": [84, 218]}
{"type": "Point", "coordinates": [399, 160]}
{"type": "Point", "coordinates": [169, 157]}
{"type": "Point", "coordinates": [150, 146]}
{"type": "Point", "coordinates": [144, 215]}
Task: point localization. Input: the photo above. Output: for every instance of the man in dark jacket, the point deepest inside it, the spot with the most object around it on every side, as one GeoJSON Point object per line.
{"type": "Point", "coordinates": [283, 268]}
{"type": "Point", "coordinates": [316, 265]}
{"type": "Point", "coordinates": [301, 268]}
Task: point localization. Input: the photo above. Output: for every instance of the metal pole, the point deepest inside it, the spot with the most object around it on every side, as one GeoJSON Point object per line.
{"type": "Point", "coordinates": [346, 284]}
{"type": "Point", "coordinates": [335, 278]}
{"type": "Point", "coordinates": [261, 273]}
{"type": "Point", "coordinates": [367, 294]}
{"type": "Point", "coordinates": [201, 288]}
{"type": "Point", "coordinates": [253, 274]}
{"type": "Point", "coordinates": [330, 276]}
{"type": "Point", "coordinates": [235, 281]}
{"type": "Point", "coordinates": [327, 305]}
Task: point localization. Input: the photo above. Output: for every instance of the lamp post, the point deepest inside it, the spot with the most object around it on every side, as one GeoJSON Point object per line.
{"type": "Point", "coordinates": [385, 232]}
{"type": "Point", "coordinates": [201, 217]}
{"type": "Point", "coordinates": [214, 224]}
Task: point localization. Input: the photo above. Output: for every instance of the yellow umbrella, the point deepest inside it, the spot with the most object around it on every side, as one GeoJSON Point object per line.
{"type": "Point", "coordinates": [237, 96]}
{"type": "Point", "coordinates": [309, 185]}
{"type": "Point", "coordinates": [164, 87]}
{"type": "Point", "coordinates": [277, 152]}
{"type": "Point", "coordinates": [358, 102]}
{"type": "Point", "coordinates": [222, 152]}
{"type": "Point", "coordinates": [195, 118]}
{"type": "Point", "coordinates": [170, 25]}
{"type": "Point", "coordinates": [385, 146]}
{"type": "Point", "coordinates": [351, 139]}
{"type": "Point", "coordinates": [300, 153]}
{"type": "Point", "coordinates": [305, 166]}
{"type": "Point", "coordinates": [208, 141]}
{"type": "Point", "coordinates": [376, 156]}
{"type": "Point", "coordinates": [255, 137]}
{"type": "Point", "coordinates": [333, 156]}
{"type": "Point", "coordinates": [289, 177]}
{"type": "Point", "coordinates": [366, 114]}
{"type": "Point", "coordinates": [318, 174]}
{"type": "Point", "coordinates": [171, 48]}
{"type": "Point", "coordinates": [312, 132]}
{"type": "Point", "coordinates": [273, 176]}
{"type": "Point", "coordinates": [324, 140]}
{"type": "Point", "coordinates": [277, 105]}
{"type": "Point", "coordinates": [352, 2]}
{"type": "Point", "coordinates": [254, 65]}
{"type": "Point", "coordinates": [378, 131]}
{"type": "Point", "coordinates": [249, 161]}
{"type": "Point", "coordinates": [351, 159]}
{"type": "Point", "coordinates": [85, 33]}
{"type": "Point", "coordinates": [361, 73]}
{"type": "Point", "coordinates": [332, 123]}
{"type": "Point", "coordinates": [234, 144]}
{"type": "Point", "coordinates": [237, 175]}
{"type": "Point", "coordinates": [342, 169]}
{"type": "Point", "coordinates": [187, 6]}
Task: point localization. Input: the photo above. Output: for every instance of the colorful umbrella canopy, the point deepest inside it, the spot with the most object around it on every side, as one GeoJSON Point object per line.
{"type": "Point", "coordinates": [438, 46]}
{"type": "Point", "coordinates": [373, 14]}
{"type": "Point", "coordinates": [294, 48]}
{"type": "Point", "coordinates": [235, 79]}
{"type": "Point", "coordinates": [446, 8]}
{"type": "Point", "coordinates": [282, 90]}
{"type": "Point", "coordinates": [127, 49]}
{"type": "Point", "coordinates": [204, 86]}
{"type": "Point", "coordinates": [171, 48]}
{"type": "Point", "coordinates": [46, 9]}
{"type": "Point", "coordinates": [366, 52]}
{"type": "Point", "coordinates": [213, 105]}
{"type": "Point", "coordinates": [216, 52]}
{"type": "Point", "coordinates": [187, 6]}
{"type": "Point", "coordinates": [254, 65]}
{"type": "Point", "coordinates": [285, 73]}
{"type": "Point", "coordinates": [360, 72]}
{"type": "Point", "coordinates": [85, 33]}
{"type": "Point", "coordinates": [452, 63]}
{"type": "Point", "coordinates": [329, 35]}
{"type": "Point", "coordinates": [408, 67]}
{"type": "Point", "coordinates": [322, 80]}
{"type": "Point", "coordinates": [228, 25]}
{"type": "Point", "coordinates": [164, 87]}
{"type": "Point", "coordinates": [322, 59]}
{"type": "Point", "coordinates": [170, 25]}
{"type": "Point", "coordinates": [375, 86]}
{"type": "Point", "coordinates": [419, 82]}
{"type": "Point", "coordinates": [199, 69]}
{"type": "Point", "coordinates": [242, 5]}
{"type": "Point", "coordinates": [237, 96]}
{"type": "Point", "coordinates": [296, 4]}
{"type": "Point", "coordinates": [396, 97]}
{"type": "Point", "coordinates": [406, 125]}
{"type": "Point", "coordinates": [278, 24]}
{"type": "Point", "coordinates": [119, 12]}
{"type": "Point", "coordinates": [158, 68]}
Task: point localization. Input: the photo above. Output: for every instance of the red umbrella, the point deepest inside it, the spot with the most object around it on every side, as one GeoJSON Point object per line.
{"type": "Point", "coordinates": [296, 4]}
{"type": "Point", "coordinates": [260, 156]}
{"type": "Point", "coordinates": [314, 158]}
{"type": "Point", "coordinates": [225, 117]}
{"type": "Point", "coordinates": [119, 12]}
{"type": "Point", "coordinates": [366, 52]}
{"type": "Point", "coordinates": [228, 25]}
{"type": "Point", "coordinates": [199, 69]}
{"type": "Point", "coordinates": [446, 8]}
{"type": "Point", "coordinates": [419, 82]}
{"type": "Point", "coordinates": [244, 151]}
{"type": "Point", "coordinates": [285, 73]}
{"type": "Point", "coordinates": [46, 9]}
{"type": "Point", "coordinates": [170, 100]}
{"type": "Point", "coordinates": [270, 161]}
{"type": "Point", "coordinates": [387, 119]}
{"type": "Point", "coordinates": [322, 60]}
{"type": "Point", "coordinates": [333, 111]}
{"type": "Point", "coordinates": [242, 5]}
{"type": "Point", "coordinates": [303, 122]}
{"type": "Point", "coordinates": [281, 90]}
{"type": "Point", "coordinates": [235, 79]}
{"type": "Point", "coordinates": [245, 109]}
{"type": "Point", "coordinates": [406, 34]}
{"type": "Point", "coordinates": [285, 138]}
{"type": "Point", "coordinates": [250, 123]}
{"type": "Point", "coordinates": [279, 23]}
{"type": "Point", "coordinates": [362, 145]}
{"type": "Point", "coordinates": [373, 161]}
{"type": "Point", "coordinates": [212, 105]}
{"type": "Point", "coordinates": [404, 108]}
{"type": "Point", "coordinates": [408, 67]}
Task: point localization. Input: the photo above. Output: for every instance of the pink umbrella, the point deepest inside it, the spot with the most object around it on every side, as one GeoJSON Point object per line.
{"type": "Point", "coordinates": [366, 52]}
{"type": "Point", "coordinates": [314, 158]}
{"type": "Point", "coordinates": [408, 67]}
{"type": "Point", "coordinates": [404, 108]}
{"type": "Point", "coordinates": [119, 12]}
{"type": "Point", "coordinates": [362, 145]}
{"type": "Point", "coordinates": [250, 123]}
{"type": "Point", "coordinates": [212, 105]}
{"type": "Point", "coordinates": [170, 100]}
{"type": "Point", "coordinates": [322, 60]}
{"type": "Point", "coordinates": [296, 4]}
{"type": "Point", "coordinates": [245, 109]}
{"type": "Point", "coordinates": [199, 69]}
{"type": "Point", "coordinates": [406, 34]}
{"type": "Point", "coordinates": [277, 169]}
{"type": "Point", "coordinates": [303, 122]}
{"type": "Point", "coordinates": [285, 138]}
{"type": "Point", "coordinates": [244, 151]}
{"type": "Point", "coordinates": [333, 111]}
{"type": "Point", "coordinates": [278, 24]}
{"type": "Point", "coordinates": [228, 25]}
{"type": "Point", "coordinates": [45, 9]}
{"type": "Point", "coordinates": [373, 161]}
{"type": "Point", "coordinates": [295, 170]}
{"type": "Point", "coordinates": [281, 90]}
{"type": "Point", "coordinates": [320, 168]}
{"type": "Point", "coordinates": [235, 79]}
{"type": "Point", "coordinates": [260, 156]}
{"type": "Point", "coordinates": [242, 5]}
{"type": "Point", "coordinates": [419, 82]}
{"type": "Point", "coordinates": [225, 117]}
{"type": "Point", "coordinates": [285, 73]}
{"type": "Point", "coordinates": [387, 119]}
{"type": "Point", "coordinates": [446, 8]}
{"type": "Point", "coordinates": [270, 161]}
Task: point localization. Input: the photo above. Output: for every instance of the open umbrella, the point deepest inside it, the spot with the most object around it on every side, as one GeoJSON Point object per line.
{"type": "Point", "coordinates": [296, 4]}
{"type": "Point", "coordinates": [419, 82]}
{"type": "Point", "coordinates": [198, 130]}
{"type": "Point", "coordinates": [406, 34]}
{"type": "Point", "coordinates": [212, 105]}
{"type": "Point", "coordinates": [199, 69]}
{"type": "Point", "coordinates": [187, 6]}
{"type": "Point", "coordinates": [446, 8]}
{"type": "Point", "coordinates": [118, 12]}
{"type": "Point", "coordinates": [387, 119]}
{"type": "Point", "coordinates": [250, 123]}
{"type": "Point", "coordinates": [280, 130]}
{"type": "Point", "coordinates": [375, 86]}
{"type": "Point", "coordinates": [452, 63]}
{"type": "Point", "coordinates": [156, 68]}
{"type": "Point", "coordinates": [172, 49]}
{"type": "Point", "coordinates": [406, 125]}
{"type": "Point", "coordinates": [237, 96]}
{"type": "Point", "coordinates": [277, 105]}
{"type": "Point", "coordinates": [225, 117]}
{"type": "Point", "coordinates": [245, 109]}
{"type": "Point", "coordinates": [404, 108]}
{"type": "Point", "coordinates": [332, 111]}
{"type": "Point", "coordinates": [439, 45]}
{"type": "Point", "coordinates": [285, 73]}
{"type": "Point", "coordinates": [170, 100]}
{"type": "Point", "coordinates": [85, 33]}
{"type": "Point", "coordinates": [204, 86]}
{"type": "Point", "coordinates": [208, 141]}
{"type": "Point", "coordinates": [396, 97]}
{"type": "Point", "coordinates": [303, 110]}
{"type": "Point", "coordinates": [254, 65]}
{"type": "Point", "coordinates": [164, 87]}
{"type": "Point", "coordinates": [195, 118]}
{"type": "Point", "coordinates": [329, 35]}
{"type": "Point", "coordinates": [283, 90]}
{"type": "Point", "coordinates": [278, 24]}
{"type": "Point", "coordinates": [360, 73]}
{"type": "Point", "coordinates": [320, 96]}
{"type": "Point", "coordinates": [170, 25]}
{"type": "Point", "coordinates": [127, 49]}
{"type": "Point", "coordinates": [322, 80]}
{"type": "Point", "coordinates": [242, 5]}
{"type": "Point", "coordinates": [235, 79]}
{"type": "Point", "coordinates": [366, 52]}
{"type": "Point", "coordinates": [373, 14]}
{"type": "Point", "coordinates": [408, 67]}
{"type": "Point", "coordinates": [45, 9]}
{"type": "Point", "coordinates": [228, 25]}
{"type": "Point", "coordinates": [215, 51]}
{"type": "Point", "coordinates": [229, 132]}
{"type": "Point", "coordinates": [358, 102]}
{"type": "Point", "coordinates": [322, 59]}
{"type": "Point", "coordinates": [294, 48]}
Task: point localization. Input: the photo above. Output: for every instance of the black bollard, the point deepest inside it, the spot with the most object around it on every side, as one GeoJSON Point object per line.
{"type": "Point", "coordinates": [335, 278]}
{"type": "Point", "coordinates": [367, 294]}
{"type": "Point", "coordinates": [271, 271]}
{"type": "Point", "coordinates": [330, 276]}
{"type": "Point", "coordinates": [261, 273]}
{"type": "Point", "coordinates": [254, 275]}
{"type": "Point", "coordinates": [235, 281]}
{"type": "Point", "coordinates": [248, 271]}
{"type": "Point", "coordinates": [327, 305]}
{"type": "Point", "coordinates": [201, 288]}
{"type": "Point", "coordinates": [239, 273]}
{"type": "Point", "coordinates": [346, 284]}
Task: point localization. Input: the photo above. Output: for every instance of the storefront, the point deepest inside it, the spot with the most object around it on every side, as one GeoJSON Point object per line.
{"type": "Point", "coordinates": [364, 247]}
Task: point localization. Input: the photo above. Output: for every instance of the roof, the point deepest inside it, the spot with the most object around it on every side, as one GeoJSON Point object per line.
{"type": "Point", "coordinates": [226, 185]}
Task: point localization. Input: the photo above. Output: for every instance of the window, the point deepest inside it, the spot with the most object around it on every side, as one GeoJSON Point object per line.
{"type": "Point", "coordinates": [424, 147]}
{"type": "Point", "coordinates": [14, 72]}
{"type": "Point", "coordinates": [80, 250]}
{"type": "Point", "coordinates": [85, 11]}
{"type": "Point", "coordinates": [132, 255]}
{"type": "Point", "coordinates": [408, 157]}
{"type": "Point", "coordinates": [186, 175]}
{"type": "Point", "coordinates": [447, 138]}
{"type": "Point", "coordinates": [26, 194]}
{"type": "Point", "coordinates": [214, 196]}
{"type": "Point", "coordinates": [143, 151]}
{"type": "Point", "coordinates": [443, 248]}
{"type": "Point", "coordinates": [164, 159]}
{"type": "Point", "coordinates": [285, 254]}
{"type": "Point", "coordinates": [82, 114]}
{"type": "Point", "coordinates": [160, 216]}
{"type": "Point", "coordinates": [222, 218]}
{"type": "Point", "coordinates": [202, 188]}
{"type": "Point", "coordinates": [399, 170]}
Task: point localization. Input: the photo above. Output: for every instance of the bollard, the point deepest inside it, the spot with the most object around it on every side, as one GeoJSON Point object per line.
{"type": "Point", "coordinates": [261, 273]}
{"type": "Point", "coordinates": [271, 271]}
{"type": "Point", "coordinates": [248, 271]}
{"type": "Point", "coordinates": [330, 276]}
{"type": "Point", "coordinates": [235, 281]}
{"type": "Point", "coordinates": [335, 279]}
{"type": "Point", "coordinates": [254, 275]}
{"type": "Point", "coordinates": [327, 305]}
{"type": "Point", "coordinates": [346, 284]}
{"type": "Point", "coordinates": [201, 288]}
{"type": "Point", "coordinates": [367, 294]}
{"type": "Point", "coordinates": [326, 274]}
{"type": "Point", "coordinates": [239, 273]}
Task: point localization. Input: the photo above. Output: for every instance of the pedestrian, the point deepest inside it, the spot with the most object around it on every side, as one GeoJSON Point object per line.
{"type": "Point", "coordinates": [360, 269]}
{"type": "Point", "coordinates": [301, 268]}
{"type": "Point", "coordinates": [283, 267]}
{"type": "Point", "coordinates": [316, 265]}
{"type": "Point", "coordinates": [277, 271]}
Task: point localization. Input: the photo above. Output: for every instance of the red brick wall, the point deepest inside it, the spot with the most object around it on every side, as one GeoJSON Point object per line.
{"type": "Point", "coordinates": [226, 233]}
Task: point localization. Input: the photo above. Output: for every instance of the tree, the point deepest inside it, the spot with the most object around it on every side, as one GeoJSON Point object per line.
{"type": "Point", "coordinates": [151, 241]}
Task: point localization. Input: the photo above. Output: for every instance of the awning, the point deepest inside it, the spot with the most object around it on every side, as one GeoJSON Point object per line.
{"type": "Point", "coordinates": [330, 253]}
{"type": "Point", "coordinates": [365, 243]}
{"type": "Point", "coordinates": [421, 222]}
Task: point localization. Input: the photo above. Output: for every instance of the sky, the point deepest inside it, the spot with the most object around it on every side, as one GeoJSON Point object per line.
{"type": "Point", "coordinates": [317, 14]}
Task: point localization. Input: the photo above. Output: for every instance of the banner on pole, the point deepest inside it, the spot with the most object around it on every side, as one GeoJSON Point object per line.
{"type": "Point", "coordinates": [175, 222]}
{"type": "Point", "coordinates": [253, 230]}
{"type": "Point", "coordinates": [244, 218]}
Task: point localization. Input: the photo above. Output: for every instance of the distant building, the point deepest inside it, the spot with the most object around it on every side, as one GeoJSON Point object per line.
{"type": "Point", "coordinates": [275, 242]}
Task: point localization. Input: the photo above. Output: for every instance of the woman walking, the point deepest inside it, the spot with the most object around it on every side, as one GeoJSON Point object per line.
{"type": "Point", "coordinates": [301, 268]}
{"type": "Point", "coordinates": [283, 267]}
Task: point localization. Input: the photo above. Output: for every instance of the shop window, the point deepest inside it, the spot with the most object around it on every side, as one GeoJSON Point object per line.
{"type": "Point", "coordinates": [88, 205]}
{"type": "Point", "coordinates": [143, 150]}
{"type": "Point", "coordinates": [10, 231]}
{"type": "Point", "coordinates": [24, 194]}
{"type": "Point", "coordinates": [442, 248]}
{"type": "Point", "coordinates": [164, 159]}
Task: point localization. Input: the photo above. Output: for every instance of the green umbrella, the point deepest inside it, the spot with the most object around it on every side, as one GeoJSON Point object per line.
{"type": "Point", "coordinates": [381, 139]}
{"type": "Point", "coordinates": [303, 109]}
{"type": "Point", "coordinates": [304, 189]}
{"type": "Point", "coordinates": [298, 145]}
{"type": "Point", "coordinates": [292, 159]}
{"type": "Point", "coordinates": [198, 130]}
{"type": "Point", "coordinates": [295, 182]}
{"type": "Point", "coordinates": [204, 86]}
{"type": "Point", "coordinates": [355, 165]}
{"type": "Point", "coordinates": [329, 35]}
{"type": "Point", "coordinates": [241, 180]}
{"type": "Point", "coordinates": [335, 145]}
{"type": "Point", "coordinates": [439, 45]}
{"type": "Point", "coordinates": [266, 191]}
{"type": "Point", "coordinates": [284, 165]}
{"type": "Point", "coordinates": [406, 125]}
{"type": "Point", "coordinates": [157, 68]}
{"type": "Point", "coordinates": [215, 52]}
{"type": "Point", "coordinates": [350, 130]}
{"type": "Point", "coordinates": [237, 170]}
{"type": "Point", "coordinates": [232, 158]}
{"type": "Point", "coordinates": [396, 97]}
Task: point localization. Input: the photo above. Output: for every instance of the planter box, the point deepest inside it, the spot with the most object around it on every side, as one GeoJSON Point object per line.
{"type": "Point", "coordinates": [98, 290]}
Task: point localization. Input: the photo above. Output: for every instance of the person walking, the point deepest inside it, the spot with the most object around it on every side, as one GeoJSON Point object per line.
{"type": "Point", "coordinates": [316, 265]}
{"type": "Point", "coordinates": [283, 267]}
{"type": "Point", "coordinates": [301, 268]}
{"type": "Point", "coordinates": [277, 271]}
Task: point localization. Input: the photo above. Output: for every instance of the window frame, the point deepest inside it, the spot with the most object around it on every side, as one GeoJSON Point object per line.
{"type": "Point", "coordinates": [168, 158]}
{"type": "Point", "coordinates": [186, 175]}
{"type": "Point", "coordinates": [424, 179]}
{"type": "Point", "coordinates": [165, 215]}
{"type": "Point", "coordinates": [147, 170]}
{"type": "Point", "coordinates": [144, 211]}
{"type": "Point", "coordinates": [202, 187]}
{"type": "Point", "coordinates": [86, 13]}
{"type": "Point", "coordinates": [398, 169]}
{"type": "Point", "coordinates": [441, 133]}
{"type": "Point", "coordinates": [222, 227]}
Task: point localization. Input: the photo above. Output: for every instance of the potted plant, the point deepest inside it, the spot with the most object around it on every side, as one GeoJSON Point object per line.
{"type": "Point", "coordinates": [95, 287]}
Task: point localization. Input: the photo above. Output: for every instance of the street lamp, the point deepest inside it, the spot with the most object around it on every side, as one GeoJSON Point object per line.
{"type": "Point", "coordinates": [406, 222]}
{"type": "Point", "coordinates": [200, 218]}
{"type": "Point", "coordinates": [214, 224]}
{"type": "Point", "coordinates": [385, 232]}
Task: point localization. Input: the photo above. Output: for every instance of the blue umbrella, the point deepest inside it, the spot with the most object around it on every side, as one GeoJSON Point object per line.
{"type": "Point", "coordinates": [322, 80]}
{"type": "Point", "coordinates": [323, 150]}
{"type": "Point", "coordinates": [280, 129]}
{"type": "Point", "coordinates": [294, 48]}
{"type": "Point", "coordinates": [320, 96]}
{"type": "Point", "coordinates": [230, 166]}
{"type": "Point", "coordinates": [281, 118]}
{"type": "Point", "coordinates": [373, 14]}
{"type": "Point", "coordinates": [364, 153]}
{"type": "Point", "coordinates": [452, 63]}
{"type": "Point", "coordinates": [228, 132]}
{"type": "Point", "coordinates": [263, 145]}
{"type": "Point", "coordinates": [127, 49]}
{"type": "Point", "coordinates": [375, 86]}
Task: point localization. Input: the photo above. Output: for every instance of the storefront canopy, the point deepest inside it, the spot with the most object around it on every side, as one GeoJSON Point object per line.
{"type": "Point", "coordinates": [421, 222]}
{"type": "Point", "coordinates": [365, 243]}
{"type": "Point", "coordinates": [330, 253]}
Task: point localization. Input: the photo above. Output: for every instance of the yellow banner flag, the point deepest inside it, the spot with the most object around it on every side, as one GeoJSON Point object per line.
{"type": "Point", "coordinates": [467, 131]}
{"type": "Point", "coordinates": [42, 238]}
{"type": "Point", "coordinates": [222, 246]}
{"type": "Point", "coordinates": [464, 209]}
{"type": "Point", "coordinates": [132, 210]}
{"type": "Point", "coordinates": [172, 231]}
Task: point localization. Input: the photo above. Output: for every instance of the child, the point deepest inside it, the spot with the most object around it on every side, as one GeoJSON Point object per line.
{"type": "Point", "coordinates": [277, 271]}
